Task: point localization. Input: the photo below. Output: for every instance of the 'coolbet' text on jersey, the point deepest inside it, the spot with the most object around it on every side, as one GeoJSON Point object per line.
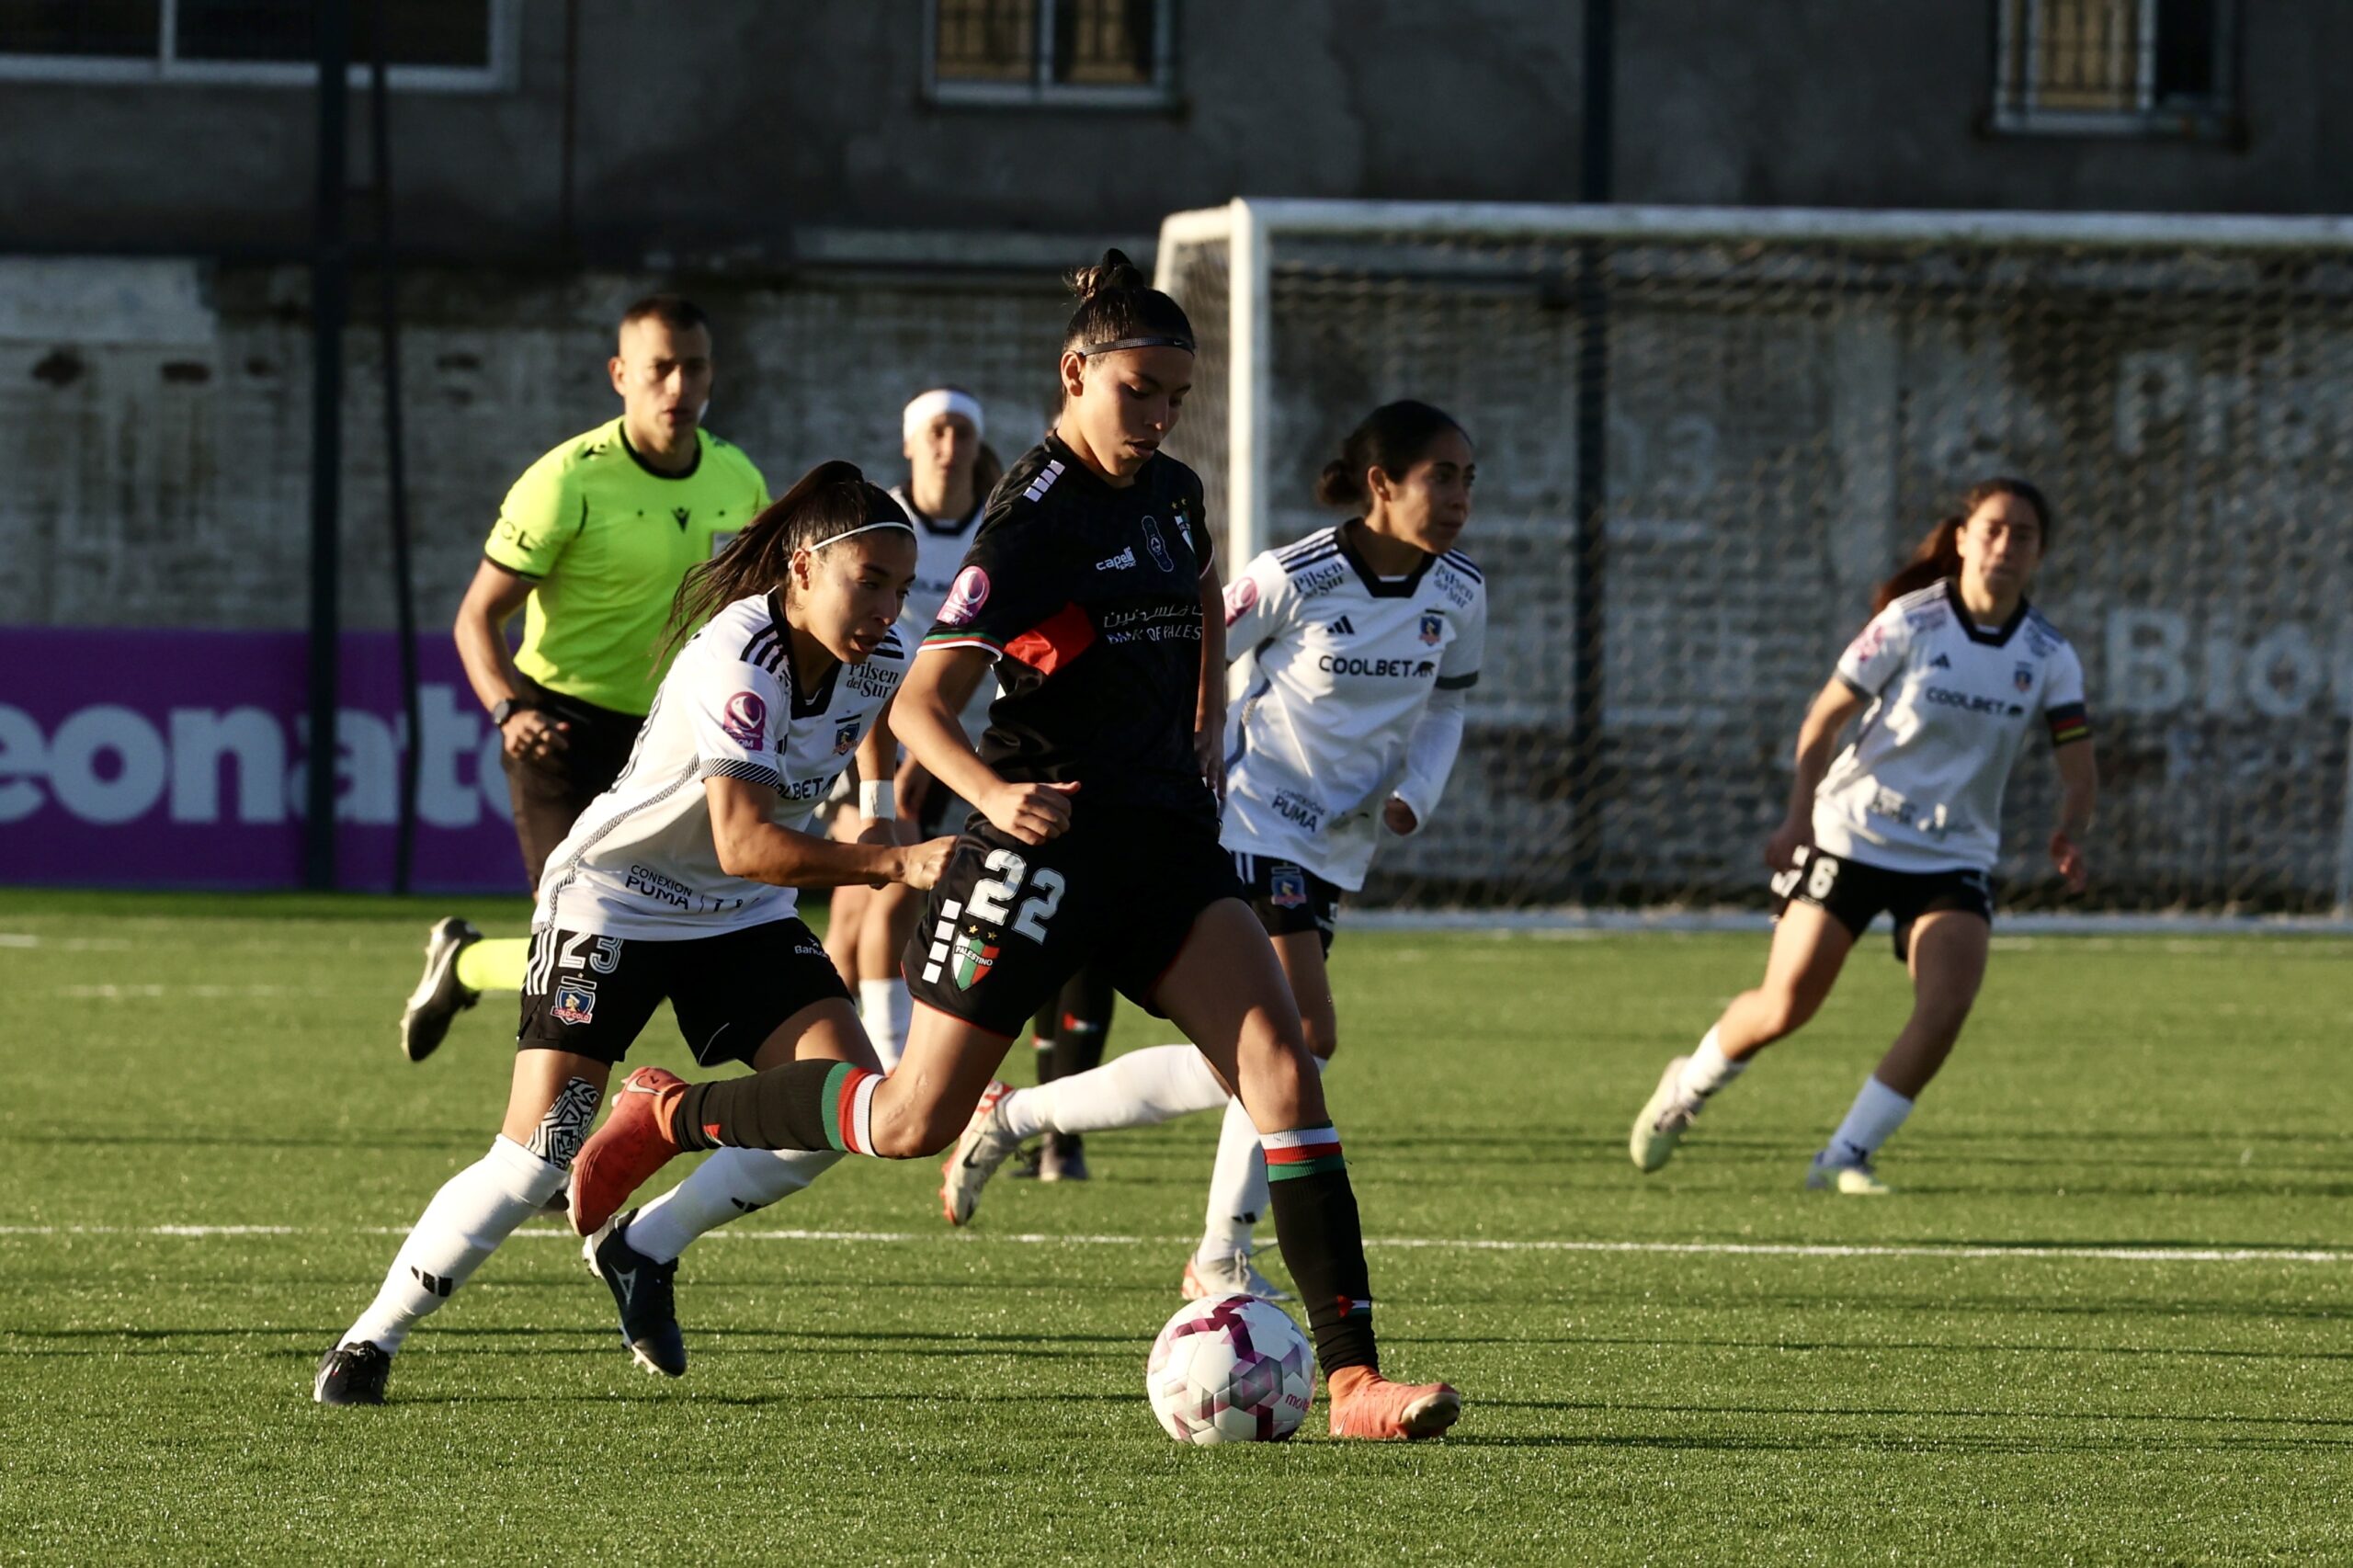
{"type": "Point", "coordinates": [606, 538]}
{"type": "Point", "coordinates": [640, 861]}
{"type": "Point", "coordinates": [1920, 787]}
{"type": "Point", "coordinates": [1089, 597]}
{"type": "Point", "coordinates": [1346, 665]}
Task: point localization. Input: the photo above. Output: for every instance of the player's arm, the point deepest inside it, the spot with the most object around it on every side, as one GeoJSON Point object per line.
{"type": "Point", "coordinates": [938, 684]}
{"type": "Point", "coordinates": [1835, 707]}
{"type": "Point", "coordinates": [2071, 742]}
{"type": "Point", "coordinates": [1209, 703]}
{"type": "Point", "coordinates": [753, 846]}
{"type": "Point", "coordinates": [1436, 737]}
{"type": "Point", "coordinates": [491, 600]}
{"type": "Point", "coordinates": [878, 794]}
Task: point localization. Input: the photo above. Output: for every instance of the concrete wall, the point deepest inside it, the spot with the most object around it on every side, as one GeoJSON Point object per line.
{"type": "Point", "coordinates": [721, 136]}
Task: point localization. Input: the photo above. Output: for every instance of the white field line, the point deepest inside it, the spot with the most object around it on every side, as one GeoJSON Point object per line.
{"type": "Point", "coordinates": [1459, 1243]}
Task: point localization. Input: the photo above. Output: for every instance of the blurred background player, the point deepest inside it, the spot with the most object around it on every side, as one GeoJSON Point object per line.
{"type": "Point", "coordinates": [1093, 591]}
{"type": "Point", "coordinates": [678, 884]}
{"type": "Point", "coordinates": [1360, 642]}
{"type": "Point", "coordinates": [1948, 678]}
{"type": "Point", "coordinates": [591, 544]}
{"type": "Point", "coordinates": [950, 472]}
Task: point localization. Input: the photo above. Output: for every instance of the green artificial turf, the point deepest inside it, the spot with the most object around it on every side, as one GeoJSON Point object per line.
{"type": "Point", "coordinates": [1990, 1396]}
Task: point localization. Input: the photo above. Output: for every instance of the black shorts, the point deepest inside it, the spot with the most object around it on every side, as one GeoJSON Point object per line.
{"type": "Point", "coordinates": [1853, 892]}
{"type": "Point", "coordinates": [1010, 921]}
{"type": "Point", "coordinates": [943, 811]}
{"type": "Point", "coordinates": [548, 795]}
{"type": "Point", "coordinates": [591, 995]}
{"type": "Point", "coordinates": [1287, 897]}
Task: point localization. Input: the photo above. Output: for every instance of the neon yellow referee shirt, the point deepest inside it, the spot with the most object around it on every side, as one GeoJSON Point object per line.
{"type": "Point", "coordinates": [606, 538]}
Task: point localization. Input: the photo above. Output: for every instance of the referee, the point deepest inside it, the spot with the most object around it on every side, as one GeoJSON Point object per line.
{"type": "Point", "coordinates": [591, 544]}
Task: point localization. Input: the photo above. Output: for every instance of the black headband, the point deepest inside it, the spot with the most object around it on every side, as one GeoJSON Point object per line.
{"type": "Point", "coordinates": [1162, 341]}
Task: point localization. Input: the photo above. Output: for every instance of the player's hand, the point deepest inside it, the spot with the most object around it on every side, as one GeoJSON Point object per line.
{"type": "Point", "coordinates": [1030, 812]}
{"type": "Point", "coordinates": [529, 735]}
{"type": "Point", "coordinates": [1209, 752]}
{"type": "Point", "coordinates": [920, 865]}
{"type": "Point", "coordinates": [1781, 849]}
{"type": "Point", "coordinates": [2070, 861]}
{"type": "Point", "coordinates": [1400, 817]}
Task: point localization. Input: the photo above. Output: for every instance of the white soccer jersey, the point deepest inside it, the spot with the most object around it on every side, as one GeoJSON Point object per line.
{"type": "Point", "coordinates": [940, 548]}
{"type": "Point", "coordinates": [1348, 667]}
{"type": "Point", "coordinates": [1920, 789]}
{"type": "Point", "coordinates": [640, 861]}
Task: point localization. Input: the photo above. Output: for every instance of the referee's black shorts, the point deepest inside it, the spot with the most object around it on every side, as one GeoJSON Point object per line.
{"type": "Point", "coordinates": [1010, 921]}
{"type": "Point", "coordinates": [549, 793]}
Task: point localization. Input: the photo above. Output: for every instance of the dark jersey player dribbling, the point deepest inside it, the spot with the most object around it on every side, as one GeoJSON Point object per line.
{"type": "Point", "coordinates": [1092, 588]}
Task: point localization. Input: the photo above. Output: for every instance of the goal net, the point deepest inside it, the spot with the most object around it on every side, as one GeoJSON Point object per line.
{"type": "Point", "coordinates": [1704, 435]}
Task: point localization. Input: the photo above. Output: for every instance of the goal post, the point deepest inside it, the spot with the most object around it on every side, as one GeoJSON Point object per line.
{"type": "Point", "coordinates": [1791, 398]}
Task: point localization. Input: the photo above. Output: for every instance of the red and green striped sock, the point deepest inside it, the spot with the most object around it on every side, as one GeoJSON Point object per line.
{"type": "Point", "coordinates": [800, 1105]}
{"type": "Point", "coordinates": [1323, 1240]}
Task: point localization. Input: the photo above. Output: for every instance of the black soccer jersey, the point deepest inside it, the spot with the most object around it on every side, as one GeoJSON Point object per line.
{"type": "Point", "coordinates": [1089, 598]}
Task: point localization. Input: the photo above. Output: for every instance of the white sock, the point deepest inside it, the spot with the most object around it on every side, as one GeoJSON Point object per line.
{"type": "Point", "coordinates": [476, 1209]}
{"type": "Point", "coordinates": [1134, 1090]}
{"type": "Point", "coordinates": [884, 1008]}
{"type": "Point", "coordinates": [1709, 1069]}
{"type": "Point", "coordinates": [1237, 1184]}
{"type": "Point", "coordinates": [728, 1185]}
{"type": "Point", "coordinates": [1877, 1112]}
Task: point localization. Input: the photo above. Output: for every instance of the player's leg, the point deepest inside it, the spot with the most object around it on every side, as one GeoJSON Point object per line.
{"type": "Point", "coordinates": [771, 984]}
{"type": "Point", "coordinates": [1226, 991]}
{"type": "Point", "coordinates": [1238, 1193]}
{"type": "Point", "coordinates": [1816, 931]}
{"type": "Point", "coordinates": [1947, 955]}
{"type": "Point", "coordinates": [1081, 1032]}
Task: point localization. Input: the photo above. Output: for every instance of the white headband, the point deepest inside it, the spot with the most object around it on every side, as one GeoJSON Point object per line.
{"type": "Point", "coordinates": [865, 529]}
{"type": "Point", "coordinates": [941, 400]}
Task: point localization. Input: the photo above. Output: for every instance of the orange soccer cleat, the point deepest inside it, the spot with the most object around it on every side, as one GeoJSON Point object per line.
{"type": "Point", "coordinates": [1366, 1405]}
{"type": "Point", "coordinates": [633, 1143]}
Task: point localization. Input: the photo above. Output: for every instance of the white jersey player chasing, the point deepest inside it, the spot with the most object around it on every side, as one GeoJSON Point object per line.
{"type": "Point", "coordinates": [1354, 647]}
{"type": "Point", "coordinates": [678, 884]}
{"type": "Point", "coordinates": [950, 472]}
{"type": "Point", "coordinates": [1950, 677]}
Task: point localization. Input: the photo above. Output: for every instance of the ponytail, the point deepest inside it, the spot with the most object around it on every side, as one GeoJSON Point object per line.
{"type": "Point", "coordinates": [829, 501]}
{"type": "Point", "coordinates": [1938, 556]}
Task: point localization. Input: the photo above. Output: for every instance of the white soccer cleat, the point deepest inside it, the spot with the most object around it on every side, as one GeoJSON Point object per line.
{"type": "Point", "coordinates": [1666, 1115]}
{"type": "Point", "coordinates": [984, 1146]}
{"type": "Point", "coordinates": [1854, 1179]}
{"type": "Point", "coordinates": [1230, 1274]}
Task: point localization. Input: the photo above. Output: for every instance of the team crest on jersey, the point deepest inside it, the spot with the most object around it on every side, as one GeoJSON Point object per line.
{"type": "Point", "coordinates": [1433, 627]}
{"type": "Point", "coordinates": [974, 958]}
{"type": "Point", "coordinates": [576, 1002]}
{"type": "Point", "coordinates": [744, 720]}
{"type": "Point", "coordinates": [1287, 887]}
{"type": "Point", "coordinates": [2023, 677]}
{"type": "Point", "coordinates": [845, 738]}
{"type": "Point", "coordinates": [965, 597]}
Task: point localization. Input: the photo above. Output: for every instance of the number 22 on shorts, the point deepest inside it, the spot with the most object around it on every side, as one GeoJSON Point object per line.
{"type": "Point", "coordinates": [993, 896]}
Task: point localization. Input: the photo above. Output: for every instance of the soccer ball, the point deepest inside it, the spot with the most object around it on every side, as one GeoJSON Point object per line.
{"type": "Point", "coordinates": [1235, 1369]}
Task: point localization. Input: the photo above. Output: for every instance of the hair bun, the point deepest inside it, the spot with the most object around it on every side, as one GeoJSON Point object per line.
{"type": "Point", "coordinates": [1113, 272]}
{"type": "Point", "coordinates": [1337, 487]}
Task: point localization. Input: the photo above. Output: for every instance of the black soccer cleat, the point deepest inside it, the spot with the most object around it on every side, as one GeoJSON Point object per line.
{"type": "Point", "coordinates": [438, 997]}
{"type": "Point", "coordinates": [643, 1291]}
{"type": "Point", "coordinates": [352, 1374]}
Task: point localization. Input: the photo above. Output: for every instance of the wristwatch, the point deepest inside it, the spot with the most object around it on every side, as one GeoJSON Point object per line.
{"type": "Point", "coordinates": [502, 711]}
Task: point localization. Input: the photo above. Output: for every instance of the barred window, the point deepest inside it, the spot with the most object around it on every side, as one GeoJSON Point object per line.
{"type": "Point", "coordinates": [430, 43]}
{"type": "Point", "coordinates": [2118, 66]}
{"type": "Point", "coordinates": [1107, 52]}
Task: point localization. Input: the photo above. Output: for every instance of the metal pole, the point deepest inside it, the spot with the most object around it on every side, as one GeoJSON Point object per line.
{"type": "Point", "coordinates": [1589, 541]}
{"type": "Point", "coordinates": [329, 284]}
{"type": "Point", "coordinates": [395, 449]}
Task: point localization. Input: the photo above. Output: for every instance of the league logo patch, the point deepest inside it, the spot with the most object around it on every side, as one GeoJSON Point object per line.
{"type": "Point", "coordinates": [845, 739]}
{"type": "Point", "coordinates": [1866, 647]}
{"type": "Point", "coordinates": [974, 958]}
{"type": "Point", "coordinates": [1287, 887]}
{"type": "Point", "coordinates": [1158, 546]}
{"type": "Point", "coordinates": [1433, 627]}
{"type": "Point", "coordinates": [2023, 677]}
{"type": "Point", "coordinates": [744, 720]}
{"type": "Point", "coordinates": [1239, 594]}
{"type": "Point", "coordinates": [576, 1002]}
{"type": "Point", "coordinates": [965, 597]}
